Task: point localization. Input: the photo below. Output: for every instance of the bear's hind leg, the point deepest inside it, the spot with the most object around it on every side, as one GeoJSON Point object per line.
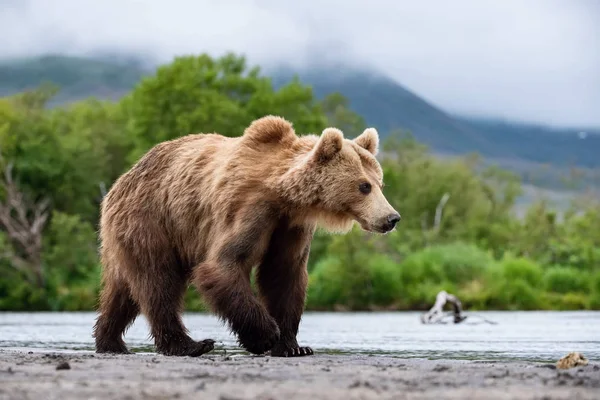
{"type": "Point", "coordinates": [161, 301]}
{"type": "Point", "coordinates": [117, 313]}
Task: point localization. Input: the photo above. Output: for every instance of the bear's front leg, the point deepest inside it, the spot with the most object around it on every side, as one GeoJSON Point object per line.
{"type": "Point", "coordinates": [282, 279]}
{"type": "Point", "coordinates": [228, 292]}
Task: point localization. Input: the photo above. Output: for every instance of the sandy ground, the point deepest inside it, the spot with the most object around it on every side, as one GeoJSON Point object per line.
{"type": "Point", "coordinates": [27, 375]}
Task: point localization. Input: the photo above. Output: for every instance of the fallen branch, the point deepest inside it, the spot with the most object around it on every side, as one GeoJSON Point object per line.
{"type": "Point", "coordinates": [436, 314]}
{"type": "Point", "coordinates": [23, 221]}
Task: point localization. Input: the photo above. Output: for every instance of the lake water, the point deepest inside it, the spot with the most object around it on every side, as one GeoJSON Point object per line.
{"type": "Point", "coordinates": [533, 336]}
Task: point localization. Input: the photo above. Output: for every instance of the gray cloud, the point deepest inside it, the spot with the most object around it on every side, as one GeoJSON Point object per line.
{"type": "Point", "coordinates": [534, 60]}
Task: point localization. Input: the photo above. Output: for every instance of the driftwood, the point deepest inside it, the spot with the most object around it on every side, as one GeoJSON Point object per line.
{"type": "Point", "coordinates": [436, 314]}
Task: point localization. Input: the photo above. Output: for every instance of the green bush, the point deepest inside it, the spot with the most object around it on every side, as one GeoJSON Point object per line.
{"type": "Point", "coordinates": [456, 262]}
{"type": "Point", "coordinates": [516, 294]}
{"type": "Point", "coordinates": [571, 301]}
{"type": "Point", "coordinates": [331, 284]}
{"type": "Point", "coordinates": [522, 269]}
{"type": "Point", "coordinates": [514, 283]}
{"type": "Point", "coordinates": [566, 280]}
{"type": "Point", "coordinates": [595, 291]}
{"type": "Point", "coordinates": [326, 285]}
{"type": "Point", "coordinates": [385, 283]}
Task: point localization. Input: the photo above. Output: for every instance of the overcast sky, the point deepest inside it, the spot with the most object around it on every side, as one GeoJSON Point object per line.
{"type": "Point", "coordinates": [534, 60]}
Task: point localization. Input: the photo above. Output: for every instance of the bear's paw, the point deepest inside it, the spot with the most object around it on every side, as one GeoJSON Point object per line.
{"type": "Point", "coordinates": [292, 351]}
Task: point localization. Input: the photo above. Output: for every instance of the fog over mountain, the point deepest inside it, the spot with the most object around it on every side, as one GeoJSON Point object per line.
{"type": "Point", "coordinates": [534, 60]}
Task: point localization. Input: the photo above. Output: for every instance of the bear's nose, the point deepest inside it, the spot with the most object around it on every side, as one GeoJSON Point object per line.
{"type": "Point", "coordinates": [393, 219]}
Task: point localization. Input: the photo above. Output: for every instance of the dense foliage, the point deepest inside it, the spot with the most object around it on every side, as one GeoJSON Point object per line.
{"type": "Point", "coordinates": [458, 232]}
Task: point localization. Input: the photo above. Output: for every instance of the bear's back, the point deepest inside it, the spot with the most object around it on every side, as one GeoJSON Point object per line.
{"type": "Point", "coordinates": [165, 189]}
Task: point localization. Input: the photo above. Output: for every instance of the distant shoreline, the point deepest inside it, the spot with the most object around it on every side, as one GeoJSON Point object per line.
{"type": "Point", "coordinates": [215, 376]}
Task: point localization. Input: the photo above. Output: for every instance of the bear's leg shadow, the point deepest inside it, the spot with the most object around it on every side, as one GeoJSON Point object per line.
{"type": "Point", "coordinates": [282, 279]}
{"type": "Point", "coordinates": [228, 292]}
{"type": "Point", "coordinates": [116, 313]}
{"type": "Point", "coordinates": [161, 300]}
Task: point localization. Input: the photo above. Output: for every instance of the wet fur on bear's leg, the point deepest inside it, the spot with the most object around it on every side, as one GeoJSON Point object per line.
{"type": "Point", "coordinates": [282, 279]}
{"type": "Point", "coordinates": [224, 278]}
{"type": "Point", "coordinates": [228, 292]}
{"type": "Point", "coordinates": [116, 313]}
{"type": "Point", "coordinates": [161, 300]}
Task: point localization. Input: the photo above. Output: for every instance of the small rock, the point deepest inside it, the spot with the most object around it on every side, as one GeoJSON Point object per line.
{"type": "Point", "coordinates": [63, 365]}
{"type": "Point", "coordinates": [365, 384]}
{"type": "Point", "coordinates": [227, 397]}
{"type": "Point", "coordinates": [498, 375]}
{"type": "Point", "coordinates": [355, 384]}
{"type": "Point", "coordinates": [571, 360]}
{"type": "Point", "coordinates": [440, 368]}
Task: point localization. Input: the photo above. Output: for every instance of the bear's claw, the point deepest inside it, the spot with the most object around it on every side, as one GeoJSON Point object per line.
{"type": "Point", "coordinates": [191, 349]}
{"type": "Point", "coordinates": [201, 347]}
{"type": "Point", "coordinates": [292, 352]}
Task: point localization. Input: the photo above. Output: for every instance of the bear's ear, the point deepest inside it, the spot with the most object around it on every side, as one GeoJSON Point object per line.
{"type": "Point", "coordinates": [329, 144]}
{"type": "Point", "coordinates": [369, 140]}
{"type": "Point", "coordinates": [270, 129]}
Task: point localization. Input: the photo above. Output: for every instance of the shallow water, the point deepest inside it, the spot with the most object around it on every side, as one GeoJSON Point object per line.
{"type": "Point", "coordinates": [533, 336]}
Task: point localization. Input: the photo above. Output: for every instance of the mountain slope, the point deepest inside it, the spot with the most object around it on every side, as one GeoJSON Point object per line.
{"type": "Point", "coordinates": [388, 105]}
{"type": "Point", "coordinates": [543, 144]}
{"type": "Point", "coordinates": [77, 77]}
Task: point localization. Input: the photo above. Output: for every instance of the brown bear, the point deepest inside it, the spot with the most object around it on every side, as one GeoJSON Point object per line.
{"type": "Point", "coordinates": [207, 209]}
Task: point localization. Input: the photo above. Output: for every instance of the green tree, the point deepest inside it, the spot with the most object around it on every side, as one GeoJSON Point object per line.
{"type": "Point", "coordinates": [196, 94]}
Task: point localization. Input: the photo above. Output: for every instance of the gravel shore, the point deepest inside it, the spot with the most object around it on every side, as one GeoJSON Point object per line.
{"type": "Point", "coordinates": [84, 375]}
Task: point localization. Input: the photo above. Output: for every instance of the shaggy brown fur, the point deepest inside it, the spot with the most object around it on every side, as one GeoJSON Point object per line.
{"type": "Point", "coordinates": [206, 209]}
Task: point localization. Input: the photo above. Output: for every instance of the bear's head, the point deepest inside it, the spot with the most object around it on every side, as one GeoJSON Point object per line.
{"type": "Point", "coordinates": [341, 181]}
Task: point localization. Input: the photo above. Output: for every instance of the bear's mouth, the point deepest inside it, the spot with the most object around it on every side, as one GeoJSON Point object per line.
{"type": "Point", "coordinates": [381, 229]}
{"type": "Point", "coordinates": [365, 226]}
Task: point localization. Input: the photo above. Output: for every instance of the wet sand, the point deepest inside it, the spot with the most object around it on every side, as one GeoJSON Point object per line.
{"type": "Point", "coordinates": [81, 375]}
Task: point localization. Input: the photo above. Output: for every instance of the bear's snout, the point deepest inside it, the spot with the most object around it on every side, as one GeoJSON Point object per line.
{"type": "Point", "coordinates": [391, 221]}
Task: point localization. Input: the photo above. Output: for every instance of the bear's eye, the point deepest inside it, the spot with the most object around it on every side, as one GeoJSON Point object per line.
{"type": "Point", "coordinates": [365, 188]}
